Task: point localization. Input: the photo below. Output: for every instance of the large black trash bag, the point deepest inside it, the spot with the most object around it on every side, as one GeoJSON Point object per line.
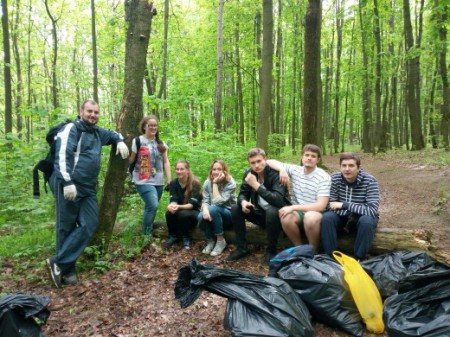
{"type": "Point", "coordinates": [257, 305]}
{"type": "Point", "coordinates": [17, 313]}
{"type": "Point", "coordinates": [401, 271]}
{"type": "Point", "coordinates": [320, 284]}
{"type": "Point", "coordinates": [423, 312]}
{"type": "Point", "coordinates": [288, 255]}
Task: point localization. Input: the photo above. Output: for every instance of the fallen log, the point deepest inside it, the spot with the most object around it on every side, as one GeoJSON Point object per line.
{"type": "Point", "coordinates": [386, 240]}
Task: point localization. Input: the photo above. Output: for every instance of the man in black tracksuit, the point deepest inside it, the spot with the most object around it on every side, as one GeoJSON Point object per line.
{"type": "Point", "coordinates": [74, 184]}
{"type": "Point", "coordinates": [260, 197]}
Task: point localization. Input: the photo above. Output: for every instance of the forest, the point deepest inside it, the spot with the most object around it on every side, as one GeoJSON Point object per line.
{"type": "Point", "coordinates": [222, 76]}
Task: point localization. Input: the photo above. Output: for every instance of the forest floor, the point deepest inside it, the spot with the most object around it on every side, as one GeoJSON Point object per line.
{"type": "Point", "coordinates": [138, 299]}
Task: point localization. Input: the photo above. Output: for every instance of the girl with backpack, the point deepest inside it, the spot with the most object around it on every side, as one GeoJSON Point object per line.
{"type": "Point", "coordinates": [149, 163]}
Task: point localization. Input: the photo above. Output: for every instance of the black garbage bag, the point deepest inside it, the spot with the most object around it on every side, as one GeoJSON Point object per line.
{"type": "Point", "coordinates": [288, 255]}
{"type": "Point", "coordinates": [320, 284]}
{"type": "Point", "coordinates": [401, 271]}
{"type": "Point", "coordinates": [257, 305]}
{"type": "Point", "coordinates": [423, 312]}
{"type": "Point", "coordinates": [17, 313]}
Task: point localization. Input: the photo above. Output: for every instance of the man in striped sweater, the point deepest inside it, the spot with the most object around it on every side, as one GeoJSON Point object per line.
{"type": "Point", "coordinates": [353, 208]}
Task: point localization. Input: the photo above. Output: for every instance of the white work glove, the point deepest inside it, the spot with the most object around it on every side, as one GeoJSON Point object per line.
{"type": "Point", "coordinates": [122, 149]}
{"type": "Point", "coordinates": [70, 192]}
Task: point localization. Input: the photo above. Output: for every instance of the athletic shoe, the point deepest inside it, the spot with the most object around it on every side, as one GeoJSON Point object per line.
{"type": "Point", "coordinates": [70, 279]}
{"type": "Point", "coordinates": [209, 247]}
{"type": "Point", "coordinates": [55, 272]}
{"type": "Point", "coordinates": [219, 247]}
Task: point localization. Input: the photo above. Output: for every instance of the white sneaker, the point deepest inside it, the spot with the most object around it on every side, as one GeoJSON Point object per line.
{"type": "Point", "coordinates": [209, 247]}
{"type": "Point", "coordinates": [219, 247]}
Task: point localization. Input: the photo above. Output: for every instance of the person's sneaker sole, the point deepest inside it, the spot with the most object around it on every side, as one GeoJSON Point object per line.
{"type": "Point", "coordinates": [55, 275]}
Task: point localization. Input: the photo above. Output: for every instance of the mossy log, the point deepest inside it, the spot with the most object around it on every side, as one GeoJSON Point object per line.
{"type": "Point", "coordinates": [386, 240]}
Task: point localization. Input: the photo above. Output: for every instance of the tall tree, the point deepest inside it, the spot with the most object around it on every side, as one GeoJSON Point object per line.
{"type": "Point", "coordinates": [19, 84]}
{"type": "Point", "coordinates": [312, 106]}
{"type": "Point", "coordinates": [94, 51]}
{"type": "Point", "coordinates": [367, 143]}
{"type": "Point", "coordinates": [339, 29]}
{"type": "Point", "coordinates": [219, 74]}
{"type": "Point", "coordinates": [7, 68]}
{"type": "Point", "coordinates": [240, 98]}
{"type": "Point", "coordinates": [441, 9]}
{"type": "Point", "coordinates": [54, 77]}
{"type": "Point", "coordinates": [163, 87]}
{"type": "Point", "coordinates": [139, 15]}
{"type": "Point", "coordinates": [412, 81]}
{"type": "Point", "coordinates": [265, 99]}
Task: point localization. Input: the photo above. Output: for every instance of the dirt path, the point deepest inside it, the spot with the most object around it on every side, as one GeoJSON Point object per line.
{"type": "Point", "coordinates": [138, 299]}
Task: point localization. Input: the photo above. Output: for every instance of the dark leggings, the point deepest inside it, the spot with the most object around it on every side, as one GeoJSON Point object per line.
{"type": "Point", "coordinates": [182, 222]}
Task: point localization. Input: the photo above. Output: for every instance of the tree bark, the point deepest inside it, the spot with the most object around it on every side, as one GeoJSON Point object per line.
{"type": "Point", "coordinates": [265, 99]}
{"type": "Point", "coordinates": [219, 75]}
{"type": "Point", "coordinates": [367, 144]}
{"type": "Point", "coordinates": [412, 82]}
{"type": "Point", "coordinates": [312, 93]}
{"type": "Point", "coordinates": [441, 9]}
{"type": "Point", "coordinates": [55, 100]}
{"type": "Point", "coordinates": [7, 68]}
{"type": "Point", "coordinates": [138, 14]}
{"type": "Point", "coordinates": [94, 52]}
{"type": "Point", "coordinates": [386, 240]}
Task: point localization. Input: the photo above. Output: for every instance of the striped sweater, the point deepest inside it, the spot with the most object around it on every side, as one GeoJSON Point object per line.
{"type": "Point", "coordinates": [361, 197]}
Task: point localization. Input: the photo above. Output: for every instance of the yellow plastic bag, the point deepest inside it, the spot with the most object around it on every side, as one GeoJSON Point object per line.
{"type": "Point", "coordinates": [364, 292]}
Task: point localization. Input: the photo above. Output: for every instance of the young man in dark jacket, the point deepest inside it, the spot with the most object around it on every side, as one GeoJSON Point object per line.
{"type": "Point", "coordinates": [354, 202]}
{"type": "Point", "coordinates": [74, 184]}
{"type": "Point", "coordinates": [260, 197]}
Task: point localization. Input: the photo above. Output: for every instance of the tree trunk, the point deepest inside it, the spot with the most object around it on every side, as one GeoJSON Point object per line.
{"type": "Point", "coordinates": [219, 75]}
{"type": "Point", "coordinates": [386, 240]}
{"type": "Point", "coordinates": [163, 87]}
{"type": "Point", "coordinates": [7, 68]}
{"type": "Point", "coordinates": [138, 14]}
{"type": "Point", "coordinates": [278, 115]}
{"type": "Point", "coordinates": [240, 98]}
{"type": "Point", "coordinates": [54, 56]}
{"type": "Point", "coordinates": [312, 106]}
{"type": "Point", "coordinates": [339, 28]}
{"type": "Point", "coordinates": [412, 81]}
{"type": "Point", "coordinates": [94, 51]}
{"type": "Point", "coordinates": [265, 97]}
{"type": "Point", "coordinates": [441, 8]}
{"type": "Point", "coordinates": [377, 35]}
{"type": "Point", "coordinates": [367, 144]}
{"type": "Point", "coordinates": [19, 85]}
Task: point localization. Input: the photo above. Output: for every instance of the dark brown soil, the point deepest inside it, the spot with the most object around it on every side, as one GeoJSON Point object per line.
{"type": "Point", "coordinates": [138, 299]}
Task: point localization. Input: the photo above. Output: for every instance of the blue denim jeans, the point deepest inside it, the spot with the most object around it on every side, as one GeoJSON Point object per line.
{"type": "Point", "coordinates": [221, 218]}
{"type": "Point", "coordinates": [150, 194]}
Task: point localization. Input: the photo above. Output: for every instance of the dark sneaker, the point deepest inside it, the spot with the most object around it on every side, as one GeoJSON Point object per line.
{"type": "Point", "coordinates": [70, 279]}
{"type": "Point", "coordinates": [170, 241]}
{"type": "Point", "coordinates": [186, 243]}
{"type": "Point", "coordinates": [237, 254]}
{"type": "Point", "coordinates": [268, 256]}
{"type": "Point", "coordinates": [55, 272]}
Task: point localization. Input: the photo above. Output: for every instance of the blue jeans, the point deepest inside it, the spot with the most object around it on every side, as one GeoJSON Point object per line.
{"type": "Point", "coordinates": [221, 218]}
{"type": "Point", "coordinates": [150, 194]}
{"type": "Point", "coordinates": [364, 226]}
